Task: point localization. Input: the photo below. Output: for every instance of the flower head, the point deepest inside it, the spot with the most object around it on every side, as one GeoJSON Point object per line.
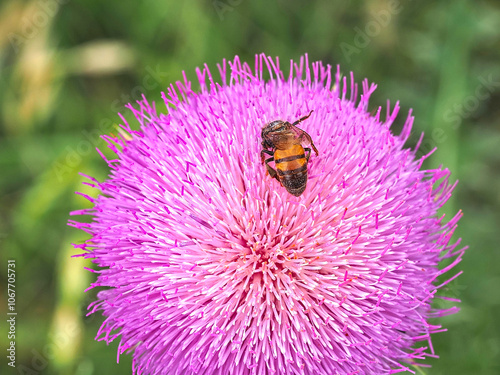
{"type": "Point", "coordinates": [212, 267]}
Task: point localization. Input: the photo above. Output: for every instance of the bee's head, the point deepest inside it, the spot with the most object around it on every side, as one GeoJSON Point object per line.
{"type": "Point", "coordinates": [271, 131]}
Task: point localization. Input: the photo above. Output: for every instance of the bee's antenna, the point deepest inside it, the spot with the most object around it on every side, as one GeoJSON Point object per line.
{"type": "Point", "coordinates": [303, 118]}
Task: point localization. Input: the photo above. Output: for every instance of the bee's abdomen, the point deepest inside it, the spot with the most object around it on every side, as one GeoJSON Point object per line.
{"type": "Point", "coordinates": [291, 165]}
{"type": "Point", "coordinates": [296, 182]}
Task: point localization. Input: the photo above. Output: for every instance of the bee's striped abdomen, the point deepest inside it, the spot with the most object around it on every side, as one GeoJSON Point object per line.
{"type": "Point", "coordinates": [291, 165]}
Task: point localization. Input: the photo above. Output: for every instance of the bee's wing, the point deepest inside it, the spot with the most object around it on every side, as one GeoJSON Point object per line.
{"type": "Point", "coordinates": [300, 134]}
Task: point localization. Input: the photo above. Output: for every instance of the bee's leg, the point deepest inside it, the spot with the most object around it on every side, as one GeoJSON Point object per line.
{"type": "Point", "coordinates": [262, 156]}
{"type": "Point", "coordinates": [314, 148]}
{"type": "Point", "coordinates": [302, 118]}
{"type": "Point", "coordinates": [272, 172]}
{"type": "Point", "coordinates": [308, 155]}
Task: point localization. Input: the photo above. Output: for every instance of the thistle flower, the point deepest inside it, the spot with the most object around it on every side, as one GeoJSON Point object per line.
{"type": "Point", "coordinates": [212, 267]}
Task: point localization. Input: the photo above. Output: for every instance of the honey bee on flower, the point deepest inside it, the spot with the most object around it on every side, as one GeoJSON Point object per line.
{"type": "Point", "coordinates": [284, 140]}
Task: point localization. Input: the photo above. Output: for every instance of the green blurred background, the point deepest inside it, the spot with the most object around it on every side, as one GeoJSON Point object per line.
{"type": "Point", "coordinates": [67, 67]}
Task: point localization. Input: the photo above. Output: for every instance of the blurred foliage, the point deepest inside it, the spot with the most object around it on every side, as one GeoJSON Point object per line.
{"type": "Point", "coordinates": [67, 68]}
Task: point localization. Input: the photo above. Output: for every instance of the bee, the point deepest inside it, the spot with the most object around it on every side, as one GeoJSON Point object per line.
{"type": "Point", "coordinates": [290, 159]}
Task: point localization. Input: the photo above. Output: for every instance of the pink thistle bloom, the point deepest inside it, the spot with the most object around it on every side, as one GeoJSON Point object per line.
{"type": "Point", "coordinates": [212, 267]}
